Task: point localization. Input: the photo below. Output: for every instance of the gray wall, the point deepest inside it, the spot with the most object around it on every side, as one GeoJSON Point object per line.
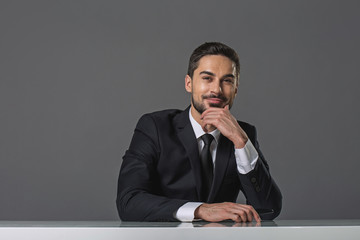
{"type": "Point", "coordinates": [75, 76]}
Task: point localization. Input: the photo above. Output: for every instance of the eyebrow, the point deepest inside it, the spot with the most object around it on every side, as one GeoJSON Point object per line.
{"type": "Point", "coordinates": [229, 75]}
{"type": "Point", "coordinates": [208, 73]}
{"type": "Point", "coordinates": [212, 74]}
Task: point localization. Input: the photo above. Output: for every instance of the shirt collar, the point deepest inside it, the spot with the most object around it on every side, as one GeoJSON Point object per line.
{"type": "Point", "coordinates": [199, 131]}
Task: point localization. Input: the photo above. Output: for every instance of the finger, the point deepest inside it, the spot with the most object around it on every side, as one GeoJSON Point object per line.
{"type": "Point", "coordinates": [254, 213]}
{"type": "Point", "coordinates": [249, 211]}
{"type": "Point", "coordinates": [217, 114]}
{"type": "Point", "coordinates": [219, 123]}
{"type": "Point", "coordinates": [211, 121]}
{"type": "Point", "coordinates": [249, 214]}
{"type": "Point", "coordinates": [211, 110]}
{"type": "Point", "coordinates": [211, 116]}
{"type": "Point", "coordinates": [237, 210]}
{"type": "Point", "coordinates": [236, 218]}
{"type": "Point", "coordinates": [205, 127]}
{"type": "Point", "coordinates": [243, 216]}
{"type": "Point", "coordinates": [218, 119]}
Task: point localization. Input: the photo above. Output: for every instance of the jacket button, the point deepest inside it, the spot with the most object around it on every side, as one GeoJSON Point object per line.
{"type": "Point", "coordinates": [257, 188]}
{"type": "Point", "coordinates": [253, 179]}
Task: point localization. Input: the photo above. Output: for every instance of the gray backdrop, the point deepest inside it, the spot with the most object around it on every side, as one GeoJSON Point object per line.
{"type": "Point", "coordinates": [75, 76]}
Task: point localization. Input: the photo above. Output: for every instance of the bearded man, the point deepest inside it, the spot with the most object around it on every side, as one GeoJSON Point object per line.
{"type": "Point", "coordinates": [186, 165]}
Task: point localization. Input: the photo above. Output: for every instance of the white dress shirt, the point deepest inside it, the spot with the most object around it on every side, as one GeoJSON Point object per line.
{"type": "Point", "coordinates": [246, 159]}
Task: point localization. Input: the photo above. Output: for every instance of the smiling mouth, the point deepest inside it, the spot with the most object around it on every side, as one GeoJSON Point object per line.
{"type": "Point", "coordinates": [214, 100]}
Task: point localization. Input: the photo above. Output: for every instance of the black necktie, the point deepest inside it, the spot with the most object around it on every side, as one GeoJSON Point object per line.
{"type": "Point", "coordinates": [206, 166]}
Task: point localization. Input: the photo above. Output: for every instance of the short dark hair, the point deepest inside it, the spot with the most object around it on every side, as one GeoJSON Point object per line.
{"type": "Point", "coordinates": [213, 48]}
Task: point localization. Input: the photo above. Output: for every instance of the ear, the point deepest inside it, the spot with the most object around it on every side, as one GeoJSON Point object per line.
{"type": "Point", "coordinates": [188, 85]}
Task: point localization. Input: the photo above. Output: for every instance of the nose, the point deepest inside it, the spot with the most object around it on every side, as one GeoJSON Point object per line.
{"type": "Point", "coordinates": [216, 87]}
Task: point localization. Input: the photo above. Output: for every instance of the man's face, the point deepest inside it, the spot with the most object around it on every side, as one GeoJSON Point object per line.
{"type": "Point", "coordinates": [213, 83]}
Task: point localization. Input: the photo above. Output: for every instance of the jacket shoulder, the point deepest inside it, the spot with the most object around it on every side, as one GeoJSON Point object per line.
{"type": "Point", "coordinates": [158, 118]}
{"type": "Point", "coordinates": [164, 113]}
{"type": "Point", "coordinates": [246, 126]}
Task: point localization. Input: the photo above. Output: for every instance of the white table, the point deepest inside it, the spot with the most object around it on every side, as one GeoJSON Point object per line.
{"type": "Point", "coordinates": [281, 229]}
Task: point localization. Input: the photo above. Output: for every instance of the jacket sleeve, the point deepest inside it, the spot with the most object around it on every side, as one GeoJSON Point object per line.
{"type": "Point", "coordinates": [139, 194]}
{"type": "Point", "coordinates": [258, 186]}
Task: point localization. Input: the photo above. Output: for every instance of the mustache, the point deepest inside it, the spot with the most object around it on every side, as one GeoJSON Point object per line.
{"type": "Point", "coordinates": [220, 96]}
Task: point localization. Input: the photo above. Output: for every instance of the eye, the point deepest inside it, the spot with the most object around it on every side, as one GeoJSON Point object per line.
{"type": "Point", "coordinates": [206, 78]}
{"type": "Point", "coordinates": [228, 80]}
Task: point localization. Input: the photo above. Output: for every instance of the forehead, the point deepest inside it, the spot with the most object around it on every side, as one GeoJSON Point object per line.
{"type": "Point", "coordinates": [217, 64]}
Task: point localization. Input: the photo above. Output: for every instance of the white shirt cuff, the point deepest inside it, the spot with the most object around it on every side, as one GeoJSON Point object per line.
{"type": "Point", "coordinates": [246, 158]}
{"type": "Point", "coordinates": [186, 213]}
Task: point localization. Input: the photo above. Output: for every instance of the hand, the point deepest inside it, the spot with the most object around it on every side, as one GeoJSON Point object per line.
{"type": "Point", "coordinates": [222, 119]}
{"type": "Point", "coordinates": [217, 212]}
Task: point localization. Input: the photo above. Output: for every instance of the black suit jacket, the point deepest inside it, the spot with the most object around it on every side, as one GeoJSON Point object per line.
{"type": "Point", "coordinates": [161, 171]}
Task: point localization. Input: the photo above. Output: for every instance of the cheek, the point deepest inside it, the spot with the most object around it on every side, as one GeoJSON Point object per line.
{"type": "Point", "coordinates": [200, 89]}
{"type": "Point", "coordinates": [203, 87]}
{"type": "Point", "coordinates": [230, 93]}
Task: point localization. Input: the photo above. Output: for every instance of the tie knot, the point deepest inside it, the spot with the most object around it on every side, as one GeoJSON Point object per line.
{"type": "Point", "coordinates": [207, 138]}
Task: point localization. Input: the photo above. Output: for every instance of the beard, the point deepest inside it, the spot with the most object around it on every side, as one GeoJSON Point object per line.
{"type": "Point", "coordinates": [200, 106]}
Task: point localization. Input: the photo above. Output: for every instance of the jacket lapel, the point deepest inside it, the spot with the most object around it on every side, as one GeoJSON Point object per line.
{"type": "Point", "coordinates": [223, 155]}
{"type": "Point", "coordinates": [187, 137]}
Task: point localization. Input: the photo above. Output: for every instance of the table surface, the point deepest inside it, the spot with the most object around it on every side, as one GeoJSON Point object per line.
{"type": "Point", "coordinates": [120, 224]}
{"type": "Point", "coordinates": [104, 230]}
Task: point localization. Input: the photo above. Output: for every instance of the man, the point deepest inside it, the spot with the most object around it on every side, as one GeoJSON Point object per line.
{"type": "Point", "coordinates": [191, 164]}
